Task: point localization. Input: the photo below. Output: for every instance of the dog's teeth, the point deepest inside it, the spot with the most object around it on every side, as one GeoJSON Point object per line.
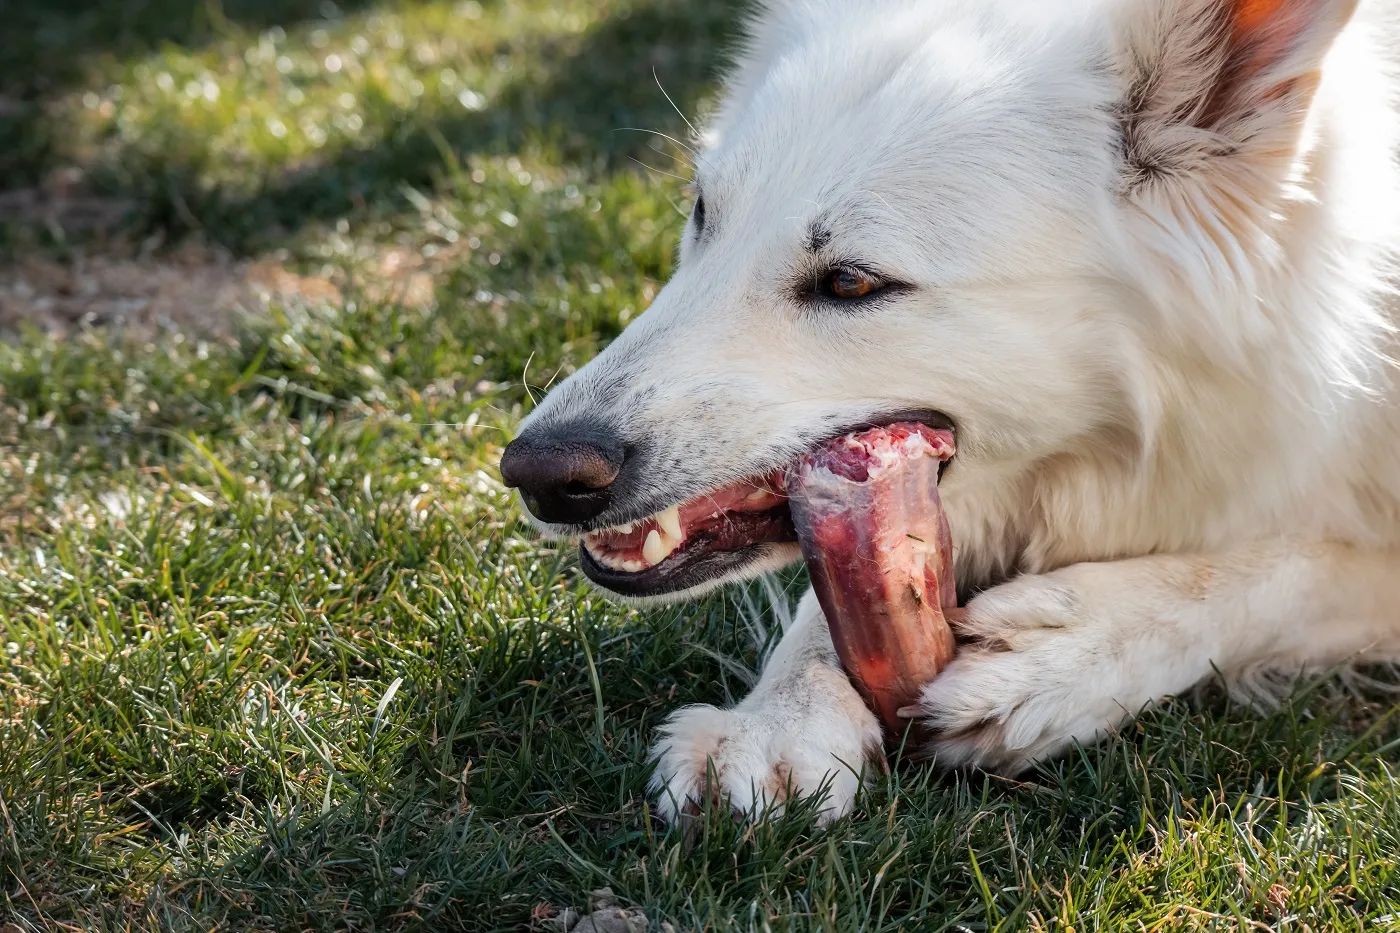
{"type": "Point", "coordinates": [598, 553]}
{"type": "Point", "coordinates": [633, 566]}
{"type": "Point", "coordinates": [670, 522]}
{"type": "Point", "coordinates": [653, 550]}
{"type": "Point", "coordinates": [627, 527]}
{"type": "Point", "coordinates": [758, 494]}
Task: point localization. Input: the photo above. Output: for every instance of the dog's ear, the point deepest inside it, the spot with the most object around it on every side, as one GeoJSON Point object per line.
{"type": "Point", "coordinates": [770, 28]}
{"type": "Point", "coordinates": [1216, 91]}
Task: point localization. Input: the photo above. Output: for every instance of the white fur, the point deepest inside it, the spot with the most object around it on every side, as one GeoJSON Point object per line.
{"type": "Point", "coordinates": [1157, 304]}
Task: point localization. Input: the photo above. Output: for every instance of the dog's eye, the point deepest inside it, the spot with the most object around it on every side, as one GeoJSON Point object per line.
{"type": "Point", "coordinates": [699, 213]}
{"type": "Point", "coordinates": [849, 282]}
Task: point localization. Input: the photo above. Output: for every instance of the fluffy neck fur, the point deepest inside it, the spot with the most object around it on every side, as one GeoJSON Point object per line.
{"type": "Point", "coordinates": [1259, 374]}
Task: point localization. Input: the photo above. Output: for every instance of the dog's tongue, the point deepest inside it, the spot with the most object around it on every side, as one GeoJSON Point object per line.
{"type": "Point", "coordinates": [872, 529]}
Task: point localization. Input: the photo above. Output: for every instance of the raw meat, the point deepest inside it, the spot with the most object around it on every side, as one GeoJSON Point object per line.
{"type": "Point", "coordinates": [880, 553]}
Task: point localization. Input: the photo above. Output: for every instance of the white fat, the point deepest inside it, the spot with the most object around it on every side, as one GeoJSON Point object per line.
{"type": "Point", "coordinates": [885, 457]}
{"type": "Point", "coordinates": [915, 445]}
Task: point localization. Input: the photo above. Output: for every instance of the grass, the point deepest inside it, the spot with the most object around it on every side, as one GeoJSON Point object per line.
{"type": "Point", "coordinates": [276, 651]}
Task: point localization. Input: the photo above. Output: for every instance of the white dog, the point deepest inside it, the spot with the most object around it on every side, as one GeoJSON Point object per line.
{"type": "Point", "coordinates": [1137, 252]}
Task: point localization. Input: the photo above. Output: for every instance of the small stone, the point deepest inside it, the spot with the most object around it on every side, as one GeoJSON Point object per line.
{"type": "Point", "coordinates": [666, 927]}
{"type": "Point", "coordinates": [564, 922]}
{"type": "Point", "coordinates": [613, 920]}
{"type": "Point", "coordinates": [603, 897]}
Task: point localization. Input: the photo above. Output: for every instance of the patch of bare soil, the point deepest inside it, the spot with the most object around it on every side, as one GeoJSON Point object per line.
{"type": "Point", "coordinates": [106, 282]}
{"type": "Point", "coordinates": [194, 289]}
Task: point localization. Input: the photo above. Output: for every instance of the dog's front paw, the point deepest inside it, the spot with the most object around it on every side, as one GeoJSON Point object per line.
{"type": "Point", "coordinates": [801, 739]}
{"type": "Point", "coordinates": [1048, 660]}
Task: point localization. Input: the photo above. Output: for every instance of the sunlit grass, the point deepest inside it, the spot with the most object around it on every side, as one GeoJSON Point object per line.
{"type": "Point", "coordinates": [269, 130]}
{"type": "Point", "coordinates": [276, 651]}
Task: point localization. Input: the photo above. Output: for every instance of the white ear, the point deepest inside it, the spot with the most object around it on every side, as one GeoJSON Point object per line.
{"type": "Point", "coordinates": [771, 30]}
{"type": "Point", "coordinates": [1220, 87]}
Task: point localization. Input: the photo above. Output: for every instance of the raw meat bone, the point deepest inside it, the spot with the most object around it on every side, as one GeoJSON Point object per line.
{"type": "Point", "coordinates": [879, 550]}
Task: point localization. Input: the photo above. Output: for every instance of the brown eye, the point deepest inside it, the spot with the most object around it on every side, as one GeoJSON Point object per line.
{"type": "Point", "coordinates": [849, 282]}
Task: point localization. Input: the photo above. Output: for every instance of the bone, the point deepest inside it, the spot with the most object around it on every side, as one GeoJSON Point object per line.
{"type": "Point", "coordinates": [877, 543]}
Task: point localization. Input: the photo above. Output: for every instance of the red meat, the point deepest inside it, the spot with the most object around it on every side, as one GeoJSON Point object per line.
{"type": "Point", "coordinates": [880, 553]}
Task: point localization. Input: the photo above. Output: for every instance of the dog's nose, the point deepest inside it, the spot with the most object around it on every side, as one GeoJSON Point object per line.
{"type": "Point", "coordinates": [564, 476]}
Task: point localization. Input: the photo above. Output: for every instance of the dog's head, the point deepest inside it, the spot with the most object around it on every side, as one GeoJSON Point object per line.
{"type": "Point", "coordinates": [971, 213]}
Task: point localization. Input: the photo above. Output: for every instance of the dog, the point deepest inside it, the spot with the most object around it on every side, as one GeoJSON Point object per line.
{"type": "Point", "coordinates": [1138, 254]}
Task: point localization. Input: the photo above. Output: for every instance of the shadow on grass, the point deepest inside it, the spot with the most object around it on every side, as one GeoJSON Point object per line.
{"type": "Point", "coordinates": [46, 46]}
{"type": "Point", "coordinates": [580, 106]}
{"type": "Point", "coordinates": [586, 107]}
{"type": "Point", "coordinates": [529, 827]}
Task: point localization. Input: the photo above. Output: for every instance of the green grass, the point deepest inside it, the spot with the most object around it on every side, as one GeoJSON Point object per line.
{"type": "Point", "coordinates": [276, 651]}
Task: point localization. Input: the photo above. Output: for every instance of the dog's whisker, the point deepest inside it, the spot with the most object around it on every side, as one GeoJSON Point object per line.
{"type": "Point", "coordinates": [677, 208]}
{"type": "Point", "coordinates": [525, 379]}
{"type": "Point", "coordinates": [557, 371]}
{"type": "Point", "coordinates": [659, 171]}
{"type": "Point", "coordinates": [459, 425]}
{"type": "Point", "coordinates": [879, 197]}
{"type": "Point", "coordinates": [666, 136]}
{"type": "Point", "coordinates": [657, 78]}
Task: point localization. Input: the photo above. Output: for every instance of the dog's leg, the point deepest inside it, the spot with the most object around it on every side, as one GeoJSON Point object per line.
{"type": "Point", "coordinates": [802, 729]}
{"type": "Point", "coordinates": [1066, 656]}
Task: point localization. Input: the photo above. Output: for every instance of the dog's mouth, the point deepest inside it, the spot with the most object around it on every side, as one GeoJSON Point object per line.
{"type": "Point", "coordinates": [709, 538]}
{"type": "Point", "coordinates": [690, 544]}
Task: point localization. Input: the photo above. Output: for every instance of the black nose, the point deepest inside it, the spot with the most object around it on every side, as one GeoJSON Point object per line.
{"type": "Point", "coordinates": [565, 475]}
